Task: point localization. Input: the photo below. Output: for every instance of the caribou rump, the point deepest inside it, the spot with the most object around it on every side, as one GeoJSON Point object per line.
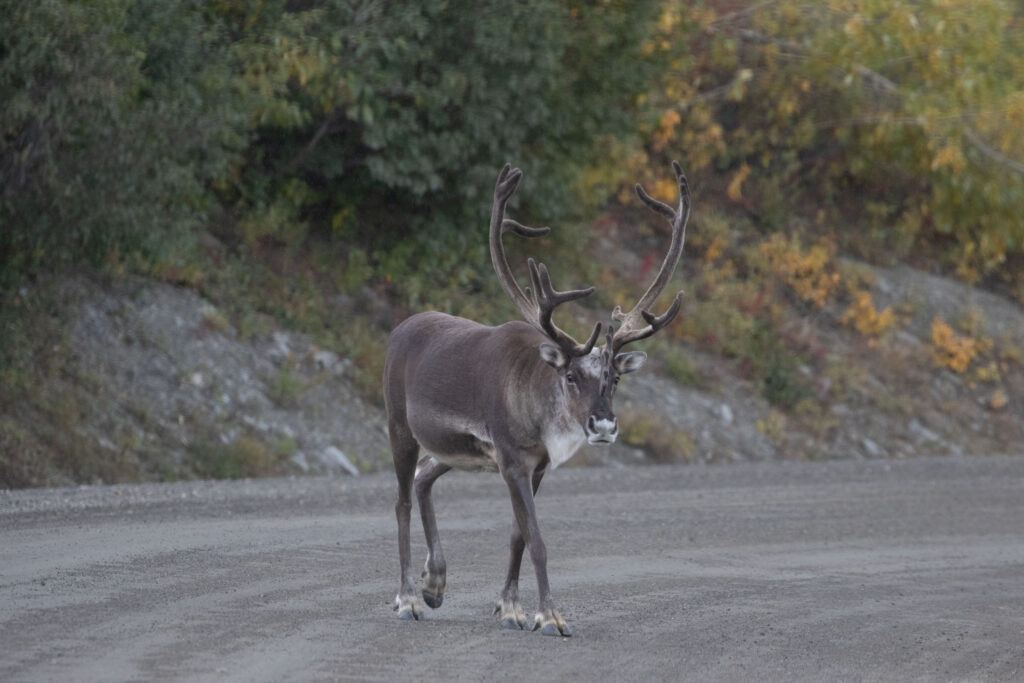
{"type": "Point", "coordinates": [517, 399]}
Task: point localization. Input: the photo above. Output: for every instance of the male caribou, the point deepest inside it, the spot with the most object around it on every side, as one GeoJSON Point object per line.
{"type": "Point", "coordinates": [515, 399]}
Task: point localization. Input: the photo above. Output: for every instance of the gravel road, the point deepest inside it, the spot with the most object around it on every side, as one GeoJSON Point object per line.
{"type": "Point", "coordinates": [845, 570]}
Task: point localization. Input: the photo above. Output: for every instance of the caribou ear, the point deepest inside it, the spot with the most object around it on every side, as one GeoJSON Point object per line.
{"type": "Point", "coordinates": [628, 362]}
{"type": "Point", "coordinates": [553, 356]}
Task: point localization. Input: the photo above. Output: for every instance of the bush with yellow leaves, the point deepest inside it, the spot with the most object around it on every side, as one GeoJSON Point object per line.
{"type": "Point", "coordinates": [810, 274]}
{"type": "Point", "coordinates": [865, 318]}
{"type": "Point", "coordinates": [953, 351]}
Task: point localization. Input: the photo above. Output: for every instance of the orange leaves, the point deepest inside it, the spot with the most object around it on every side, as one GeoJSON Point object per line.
{"type": "Point", "coordinates": [865, 318]}
{"type": "Point", "coordinates": [809, 273]}
{"type": "Point", "coordinates": [715, 249]}
{"type": "Point", "coordinates": [735, 190]}
{"type": "Point", "coordinates": [666, 129]}
{"type": "Point", "coordinates": [953, 351]}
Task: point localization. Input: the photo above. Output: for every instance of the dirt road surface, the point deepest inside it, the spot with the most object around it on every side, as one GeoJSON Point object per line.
{"type": "Point", "coordinates": [869, 570]}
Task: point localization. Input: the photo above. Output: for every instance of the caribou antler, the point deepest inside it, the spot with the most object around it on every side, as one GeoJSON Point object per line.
{"type": "Point", "coordinates": [631, 328]}
{"type": "Point", "coordinates": [537, 306]}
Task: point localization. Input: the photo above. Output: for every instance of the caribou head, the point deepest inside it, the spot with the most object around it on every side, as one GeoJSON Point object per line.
{"type": "Point", "coordinates": [588, 375]}
{"type": "Point", "coordinates": [517, 398]}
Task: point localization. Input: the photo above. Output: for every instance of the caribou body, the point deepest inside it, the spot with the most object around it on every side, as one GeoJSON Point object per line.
{"type": "Point", "coordinates": [517, 399]}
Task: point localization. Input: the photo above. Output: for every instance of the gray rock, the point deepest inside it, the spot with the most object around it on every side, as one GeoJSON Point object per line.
{"type": "Point", "coordinates": [333, 455]}
{"type": "Point", "coordinates": [871, 447]}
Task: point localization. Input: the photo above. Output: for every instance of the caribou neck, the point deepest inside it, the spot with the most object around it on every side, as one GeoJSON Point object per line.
{"type": "Point", "coordinates": [534, 392]}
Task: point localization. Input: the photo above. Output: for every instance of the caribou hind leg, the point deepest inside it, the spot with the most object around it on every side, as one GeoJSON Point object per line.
{"type": "Point", "coordinates": [434, 570]}
{"type": "Point", "coordinates": [405, 451]}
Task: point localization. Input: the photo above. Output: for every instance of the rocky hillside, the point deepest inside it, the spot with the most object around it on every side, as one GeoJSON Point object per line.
{"type": "Point", "coordinates": [143, 380]}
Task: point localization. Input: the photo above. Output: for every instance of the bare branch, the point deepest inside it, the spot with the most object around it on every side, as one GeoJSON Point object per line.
{"type": "Point", "coordinates": [992, 153]}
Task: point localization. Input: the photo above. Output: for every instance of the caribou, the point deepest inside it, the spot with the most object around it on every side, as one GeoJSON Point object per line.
{"type": "Point", "coordinates": [517, 399]}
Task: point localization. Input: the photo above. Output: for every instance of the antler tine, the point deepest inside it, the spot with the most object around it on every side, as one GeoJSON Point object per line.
{"type": "Point", "coordinates": [538, 305]}
{"type": "Point", "coordinates": [654, 323]}
{"type": "Point", "coordinates": [548, 299]}
{"type": "Point", "coordinates": [631, 329]}
{"type": "Point", "coordinates": [508, 181]}
{"type": "Point", "coordinates": [509, 225]}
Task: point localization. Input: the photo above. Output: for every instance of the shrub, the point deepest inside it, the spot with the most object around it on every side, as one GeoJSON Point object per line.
{"type": "Point", "coordinates": [865, 318]}
{"type": "Point", "coordinates": [104, 152]}
{"type": "Point", "coordinates": [953, 351]}
{"type": "Point", "coordinates": [809, 273]}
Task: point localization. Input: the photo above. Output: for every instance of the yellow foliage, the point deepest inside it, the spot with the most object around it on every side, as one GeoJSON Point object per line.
{"type": "Point", "coordinates": [988, 373]}
{"type": "Point", "coordinates": [820, 75]}
{"type": "Point", "coordinates": [703, 17]}
{"type": "Point", "coordinates": [735, 186]}
{"type": "Point", "coordinates": [774, 426]}
{"type": "Point", "coordinates": [811, 273]}
{"type": "Point", "coordinates": [716, 248]}
{"type": "Point", "coordinates": [863, 316]}
{"type": "Point", "coordinates": [951, 156]}
{"type": "Point", "coordinates": [952, 350]}
{"type": "Point", "coordinates": [666, 189]}
{"type": "Point", "coordinates": [787, 105]}
{"type": "Point", "coordinates": [998, 400]}
{"type": "Point", "coordinates": [668, 21]}
{"type": "Point", "coordinates": [666, 129]}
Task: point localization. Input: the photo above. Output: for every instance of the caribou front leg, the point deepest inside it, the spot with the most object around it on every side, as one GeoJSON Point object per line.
{"type": "Point", "coordinates": [508, 606]}
{"type": "Point", "coordinates": [547, 619]}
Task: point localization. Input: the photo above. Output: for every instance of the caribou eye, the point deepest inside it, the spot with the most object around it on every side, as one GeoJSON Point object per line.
{"type": "Point", "coordinates": [570, 378]}
{"type": "Point", "coordinates": [617, 380]}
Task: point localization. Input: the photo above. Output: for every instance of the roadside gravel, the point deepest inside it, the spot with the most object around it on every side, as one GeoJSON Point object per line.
{"type": "Point", "coordinates": [839, 570]}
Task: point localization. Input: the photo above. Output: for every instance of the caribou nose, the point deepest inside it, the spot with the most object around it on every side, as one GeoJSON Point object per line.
{"type": "Point", "coordinates": [602, 430]}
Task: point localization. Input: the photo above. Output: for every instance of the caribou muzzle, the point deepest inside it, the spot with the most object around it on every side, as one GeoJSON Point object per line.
{"type": "Point", "coordinates": [602, 430]}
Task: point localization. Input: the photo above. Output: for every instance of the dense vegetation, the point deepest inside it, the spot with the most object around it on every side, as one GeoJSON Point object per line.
{"type": "Point", "coordinates": [129, 124]}
{"type": "Point", "coordinates": [377, 126]}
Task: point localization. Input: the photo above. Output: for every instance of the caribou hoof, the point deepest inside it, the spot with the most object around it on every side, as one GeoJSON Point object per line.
{"type": "Point", "coordinates": [433, 600]}
{"type": "Point", "coordinates": [512, 615]}
{"type": "Point", "coordinates": [410, 608]}
{"type": "Point", "coordinates": [433, 589]}
{"type": "Point", "coordinates": [551, 623]}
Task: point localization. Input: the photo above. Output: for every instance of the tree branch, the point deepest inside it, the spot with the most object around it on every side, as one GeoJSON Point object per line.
{"type": "Point", "coordinates": [310, 146]}
{"type": "Point", "coordinates": [992, 153]}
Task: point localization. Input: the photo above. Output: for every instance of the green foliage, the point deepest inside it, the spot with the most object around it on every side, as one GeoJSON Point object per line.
{"type": "Point", "coordinates": [47, 400]}
{"type": "Point", "coordinates": [676, 363]}
{"type": "Point", "coordinates": [365, 344]}
{"type": "Point", "coordinates": [662, 441]}
{"type": "Point", "coordinates": [380, 126]}
{"type": "Point", "coordinates": [384, 125]}
{"type": "Point", "coordinates": [243, 457]}
{"type": "Point", "coordinates": [104, 152]}
{"type": "Point", "coordinates": [285, 388]}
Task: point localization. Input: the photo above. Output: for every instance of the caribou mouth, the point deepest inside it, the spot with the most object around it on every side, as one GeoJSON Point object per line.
{"type": "Point", "coordinates": [600, 440]}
